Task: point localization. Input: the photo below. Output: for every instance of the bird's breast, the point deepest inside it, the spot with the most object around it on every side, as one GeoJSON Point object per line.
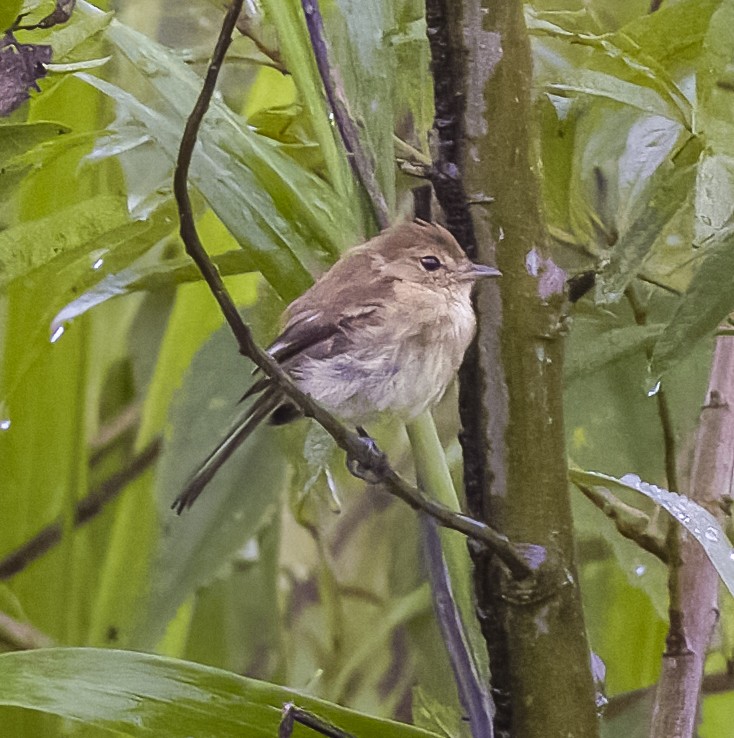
{"type": "Point", "coordinates": [401, 365]}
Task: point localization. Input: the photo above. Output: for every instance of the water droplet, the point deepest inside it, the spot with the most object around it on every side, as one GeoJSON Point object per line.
{"type": "Point", "coordinates": [57, 334]}
{"type": "Point", "coordinates": [711, 534]}
{"type": "Point", "coordinates": [632, 480]}
{"type": "Point", "coordinates": [97, 264]}
{"type": "Point", "coordinates": [640, 570]}
{"type": "Point", "coordinates": [5, 424]}
{"type": "Point", "coordinates": [654, 389]}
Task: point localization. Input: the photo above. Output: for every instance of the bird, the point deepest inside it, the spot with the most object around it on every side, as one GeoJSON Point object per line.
{"type": "Point", "coordinates": [382, 332]}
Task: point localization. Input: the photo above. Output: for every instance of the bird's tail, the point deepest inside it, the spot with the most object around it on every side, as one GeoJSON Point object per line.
{"type": "Point", "coordinates": [237, 435]}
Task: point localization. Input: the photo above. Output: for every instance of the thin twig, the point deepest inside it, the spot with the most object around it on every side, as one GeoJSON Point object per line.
{"type": "Point", "coordinates": [630, 521]}
{"type": "Point", "coordinates": [359, 159]}
{"type": "Point", "coordinates": [624, 703]}
{"type": "Point", "coordinates": [676, 640]}
{"type": "Point", "coordinates": [293, 715]}
{"type": "Point", "coordinates": [666, 421]}
{"type": "Point", "coordinates": [86, 509]}
{"type": "Point", "coordinates": [520, 559]}
{"type": "Point", "coordinates": [246, 26]}
{"type": "Point", "coordinates": [123, 423]}
{"type": "Point", "coordinates": [473, 695]}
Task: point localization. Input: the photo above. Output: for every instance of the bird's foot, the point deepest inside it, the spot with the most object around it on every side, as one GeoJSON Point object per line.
{"type": "Point", "coordinates": [370, 467]}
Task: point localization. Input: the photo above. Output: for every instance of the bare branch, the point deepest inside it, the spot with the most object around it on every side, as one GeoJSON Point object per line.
{"type": "Point", "coordinates": [86, 509]}
{"type": "Point", "coordinates": [631, 522]}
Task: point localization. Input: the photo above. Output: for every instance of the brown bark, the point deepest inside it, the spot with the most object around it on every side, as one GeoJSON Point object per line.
{"type": "Point", "coordinates": [694, 607]}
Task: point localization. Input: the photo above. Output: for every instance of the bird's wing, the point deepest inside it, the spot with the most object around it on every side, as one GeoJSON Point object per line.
{"type": "Point", "coordinates": [308, 333]}
{"type": "Point", "coordinates": [317, 334]}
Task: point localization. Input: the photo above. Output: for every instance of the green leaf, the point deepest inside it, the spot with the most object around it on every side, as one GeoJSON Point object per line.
{"type": "Point", "coordinates": [612, 345]}
{"type": "Point", "coordinates": [713, 82]}
{"type": "Point", "coordinates": [600, 84]}
{"type": "Point", "coordinates": [698, 521]}
{"type": "Point", "coordinates": [674, 33]}
{"type": "Point", "coordinates": [707, 302]}
{"type": "Point", "coordinates": [258, 192]}
{"type": "Point", "coordinates": [623, 56]}
{"type": "Point", "coordinates": [287, 17]}
{"type": "Point", "coordinates": [367, 69]}
{"type": "Point", "coordinates": [243, 495]}
{"type": "Point", "coordinates": [669, 189]}
{"type": "Point", "coordinates": [143, 695]}
{"type": "Point", "coordinates": [149, 278]}
{"type": "Point", "coordinates": [9, 11]}
{"type": "Point", "coordinates": [60, 237]}
{"type": "Point", "coordinates": [19, 138]}
{"type": "Point", "coordinates": [67, 38]}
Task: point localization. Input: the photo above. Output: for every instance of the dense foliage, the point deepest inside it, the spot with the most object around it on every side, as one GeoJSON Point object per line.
{"type": "Point", "coordinates": [117, 377]}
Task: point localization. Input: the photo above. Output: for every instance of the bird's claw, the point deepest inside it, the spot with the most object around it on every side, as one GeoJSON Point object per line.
{"type": "Point", "coordinates": [371, 472]}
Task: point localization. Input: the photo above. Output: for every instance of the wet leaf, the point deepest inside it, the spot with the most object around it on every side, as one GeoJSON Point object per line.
{"type": "Point", "coordinates": [144, 695]}
{"type": "Point", "coordinates": [256, 190]}
{"type": "Point", "coordinates": [66, 234]}
{"type": "Point", "coordinates": [149, 278]}
{"type": "Point", "coordinates": [699, 522]}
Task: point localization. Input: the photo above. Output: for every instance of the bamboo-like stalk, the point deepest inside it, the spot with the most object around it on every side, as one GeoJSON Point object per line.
{"type": "Point", "coordinates": [695, 613]}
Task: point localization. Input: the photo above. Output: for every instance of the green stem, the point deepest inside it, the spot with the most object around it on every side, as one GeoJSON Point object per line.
{"type": "Point", "coordinates": [464, 640]}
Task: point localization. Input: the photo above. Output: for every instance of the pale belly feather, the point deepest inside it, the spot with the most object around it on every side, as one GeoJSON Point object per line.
{"type": "Point", "coordinates": [400, 380]}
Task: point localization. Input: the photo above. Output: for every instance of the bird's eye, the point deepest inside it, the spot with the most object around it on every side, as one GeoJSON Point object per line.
{"type": "Point", "coordinates": [430, 263]}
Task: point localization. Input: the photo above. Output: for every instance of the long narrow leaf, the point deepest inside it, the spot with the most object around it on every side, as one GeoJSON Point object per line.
{"type": "Point", "coordinates": [709, 299]}
{"type": "Point", "coordinates": [152, 696]}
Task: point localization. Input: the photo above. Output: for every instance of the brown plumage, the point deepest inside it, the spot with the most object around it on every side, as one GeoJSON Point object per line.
{"type": "Point", "coordinates": [383, 331]}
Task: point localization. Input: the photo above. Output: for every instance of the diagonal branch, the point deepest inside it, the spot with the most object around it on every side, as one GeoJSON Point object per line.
{"type": "Point", "coordinates": [520, 559]}
{"type": "Point", "coordinates": [86, 509]}
{"type": "Point", "coordinates": [629, 521]}
{"type": "Point", "coordinates": [359, 159]}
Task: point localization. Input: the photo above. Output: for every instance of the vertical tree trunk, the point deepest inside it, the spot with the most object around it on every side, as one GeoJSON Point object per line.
{"type": "Point", "coordinates": [512, 384]}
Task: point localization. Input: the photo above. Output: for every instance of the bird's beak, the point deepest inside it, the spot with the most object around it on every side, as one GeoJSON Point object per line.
{"type": "Point", "coordinates": [480, 271]}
